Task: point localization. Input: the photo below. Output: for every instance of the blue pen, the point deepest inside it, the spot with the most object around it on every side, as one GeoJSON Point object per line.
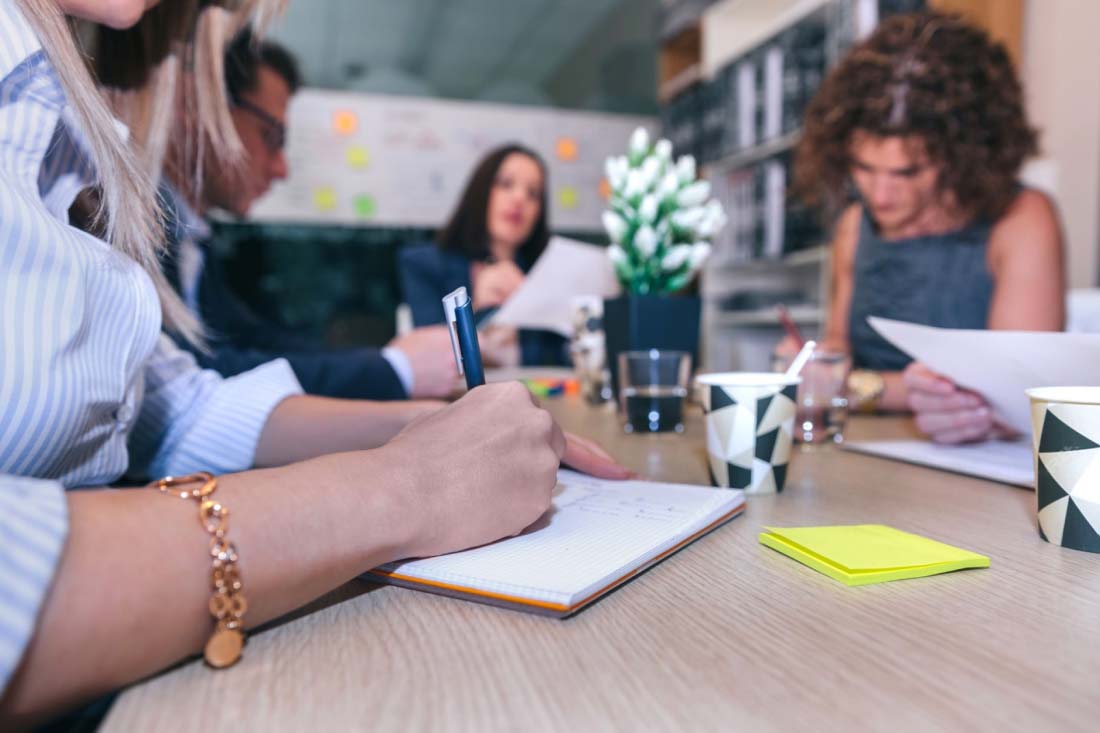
{"type": "Point", "coordinates": [460, 319]}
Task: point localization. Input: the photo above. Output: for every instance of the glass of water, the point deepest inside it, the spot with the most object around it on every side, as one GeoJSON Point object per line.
{"type": "Point", "coordinates": [652, 388]}
{"type": "Point", "coordinates": [823, 398]}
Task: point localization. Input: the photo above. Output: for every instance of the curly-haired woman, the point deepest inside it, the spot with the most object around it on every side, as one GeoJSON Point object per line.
{"type": "Point", "coordinates": [923, 126]}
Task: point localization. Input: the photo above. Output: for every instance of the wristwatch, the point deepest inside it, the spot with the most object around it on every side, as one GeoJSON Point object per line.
{"type": "Point", "coordinates": [865, 388]}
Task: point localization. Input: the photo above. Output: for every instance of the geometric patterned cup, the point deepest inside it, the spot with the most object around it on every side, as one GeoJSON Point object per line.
{"type": "Point", "coordinates": [750, 420]}
{"type": "Point", "coordinates": [1066, 441]}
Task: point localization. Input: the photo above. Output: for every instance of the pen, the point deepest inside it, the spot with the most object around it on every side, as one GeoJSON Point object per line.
{"type": "Point", "coordinates": [460, 320]}
{"type": "Point", "coordinates": [789, 326]}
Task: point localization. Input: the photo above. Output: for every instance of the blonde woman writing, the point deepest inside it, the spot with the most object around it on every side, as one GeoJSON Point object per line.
{"type": "Point", "coordinates": [99, 588]}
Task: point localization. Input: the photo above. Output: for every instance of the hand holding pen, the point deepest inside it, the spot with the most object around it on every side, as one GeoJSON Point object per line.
{"type": "Point", "coordinates": [579, 454]}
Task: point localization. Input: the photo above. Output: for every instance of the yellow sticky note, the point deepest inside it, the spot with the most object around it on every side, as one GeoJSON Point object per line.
{"type": "Point", "coordinates": [358, 156]}
{"type": "Point", "coordinates": [324, 198]}
{"type": "Point", "coordinates": [869, 553]}
{"type": "Point", "coordinates": [568, 197]}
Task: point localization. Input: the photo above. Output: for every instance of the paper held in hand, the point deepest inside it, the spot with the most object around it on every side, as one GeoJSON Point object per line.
{"type": "Point", "coordinates": [565, 270]}
{"type": "Point", "coordinates": [1000, 365]}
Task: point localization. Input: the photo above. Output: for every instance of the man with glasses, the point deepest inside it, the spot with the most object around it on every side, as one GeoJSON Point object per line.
{"type": "Point", "coordinates": [261, 77]}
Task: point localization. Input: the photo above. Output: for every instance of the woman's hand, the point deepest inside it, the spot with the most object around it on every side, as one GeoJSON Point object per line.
{"type": "Point", "coordinates": [588, 457]}
{"type": "Point", "coordinates": [493, 284]}
{"type": "Point", "coordinates": [499, 346]}
{"type": "Point", "coordinates": [480, 469]}
{"type": "Point", "coordinates": [947, 413]}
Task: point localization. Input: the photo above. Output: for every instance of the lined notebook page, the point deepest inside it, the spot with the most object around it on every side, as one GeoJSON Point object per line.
{"type": "Point", "coordinates": [595, 533]}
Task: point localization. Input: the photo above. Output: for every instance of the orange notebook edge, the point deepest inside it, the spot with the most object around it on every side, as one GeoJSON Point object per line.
{"type": "Point", "coordinates": [556, 610]}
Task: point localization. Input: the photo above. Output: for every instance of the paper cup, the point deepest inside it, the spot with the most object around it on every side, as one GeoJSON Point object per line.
{"type": "Point", "coordinates": [1066, 442]}
{"type": "Point", "coordinates": [750, 420]}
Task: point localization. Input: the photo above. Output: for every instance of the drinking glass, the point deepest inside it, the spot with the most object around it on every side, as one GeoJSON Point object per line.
{"type": "Point", "coordinates": [652, 388]}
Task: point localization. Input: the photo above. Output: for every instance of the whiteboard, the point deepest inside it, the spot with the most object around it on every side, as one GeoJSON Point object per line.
{"type": "Point", "coordinates": [376, 160]}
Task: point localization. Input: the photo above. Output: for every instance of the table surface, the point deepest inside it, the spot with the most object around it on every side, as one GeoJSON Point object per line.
{"type": "Point", "coordinates": [725, 633]}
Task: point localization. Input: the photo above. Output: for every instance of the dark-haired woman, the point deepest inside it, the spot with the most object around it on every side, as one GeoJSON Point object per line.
{"type": "Point", "coordinates": [493, 238]}
{"type": "Point", "coordinates": [923, 126]}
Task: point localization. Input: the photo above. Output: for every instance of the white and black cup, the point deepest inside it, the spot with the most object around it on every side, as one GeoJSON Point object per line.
{"type": "Point", "coordinates": [750, 423]}
{"type": "Point", "coordinates": [1066, 441]}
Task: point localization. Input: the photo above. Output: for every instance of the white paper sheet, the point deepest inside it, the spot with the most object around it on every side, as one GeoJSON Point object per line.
{"type": "Point", "coordinates": [1000, 365]}
{"type": "Point", "coordinates": [566, 269]}
{"type": "Point", "coordinates": [1007, 462]}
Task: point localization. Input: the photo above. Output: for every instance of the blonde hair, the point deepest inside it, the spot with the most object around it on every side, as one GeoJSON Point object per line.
{"type": "Point", "coordinates": [126, 208]}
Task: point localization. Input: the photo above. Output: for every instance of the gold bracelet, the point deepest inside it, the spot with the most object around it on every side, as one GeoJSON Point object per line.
{"type": "Point", "coordinates": [227, 604]}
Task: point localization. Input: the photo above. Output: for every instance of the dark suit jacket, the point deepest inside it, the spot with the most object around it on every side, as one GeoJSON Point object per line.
{"type": "Point", "coordinates": [239, 339]}
{"type": "Point", "coordinates": [428, 273]}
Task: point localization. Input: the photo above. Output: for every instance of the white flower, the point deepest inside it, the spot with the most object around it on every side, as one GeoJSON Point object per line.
{"type": "Point", "coordinates": [648, 209]}
{"type": "Point", "coordinates": [663, 229]}
{"type": "Point", "coordinates": [635, 184]}
{"type": "Point", "coordinates": [615, 226]}
{"type": "Point", "coordinates": [699, 253]}
{"type": "Point", "coordinates": [713, 220]}
{"type": "Point", "coordinates": [651, 171]}
{"type": "Point", "coordinates": [693, 195]}
{"type": "Point", "coordinates": [668, 186]}
{"type": "Point", "coordinates": [688, 219]}
{"type": "Point", "coordinates": [663, 150]}
{"type": "Point", "coordinates": [645, 242]}
{"type": "Point", "coordinates": [616, 168]}
{"type": "Point", "coordinates": [676, 257]}
{"type": "Point", "coordinates": [685, 169]}
{"type": "Point", "coordinates": [616, 254]}
{"type": "Point", "coordinates": [639, 142]}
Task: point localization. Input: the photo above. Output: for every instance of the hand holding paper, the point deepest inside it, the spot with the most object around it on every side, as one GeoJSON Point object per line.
{"type": "Point", "coordinates": [947, 413]}
{"type": "Point", "coordinates": [1000, 365]}
{"type": "Point", "coordinates": [565, 270]}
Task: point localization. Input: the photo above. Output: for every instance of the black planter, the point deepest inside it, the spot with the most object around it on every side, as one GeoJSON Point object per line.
{"type": "Point", "coordinates": [642, 322]}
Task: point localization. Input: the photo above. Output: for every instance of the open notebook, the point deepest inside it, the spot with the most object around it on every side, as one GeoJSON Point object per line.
{"type": "Point", "coordinates": [596, 536]}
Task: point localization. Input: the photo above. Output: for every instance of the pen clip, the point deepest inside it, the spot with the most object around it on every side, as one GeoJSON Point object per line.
{"type": "Point", "coordinates": [451, 302]}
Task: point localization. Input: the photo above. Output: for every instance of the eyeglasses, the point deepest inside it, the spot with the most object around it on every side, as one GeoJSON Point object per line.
{"type": "Point", "coordinates": [273, 132]}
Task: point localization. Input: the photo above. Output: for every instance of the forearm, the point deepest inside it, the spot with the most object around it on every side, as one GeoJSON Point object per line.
{"type": "Point", "coordinates": [895, 395]}
{"type": "Point", "coordinates": [305, 427]}
{"type": "Point", "coordinates": [131, 591]}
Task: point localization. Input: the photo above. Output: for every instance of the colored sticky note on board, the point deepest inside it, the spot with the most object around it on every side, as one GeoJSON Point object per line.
{"type": "Point", "coordinates": [324, 198]}
{"type": "Point", "coordinates": [364, 205]}
{"type": "Point", "coordinates": [567, 149]}
{"type": "Point", "coordinates": [568, 197]}
{"type": "Point", "coordinates": [345, 122]}
{"type": "Point", "coordinates": [605, 189]}
{"type": "Point", "coordinates": [358, 156]}
{"type": "Point", "coordinates": [869, 553]}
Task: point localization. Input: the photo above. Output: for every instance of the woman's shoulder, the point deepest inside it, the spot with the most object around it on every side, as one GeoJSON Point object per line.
{"type": "Point", "coordinates": [846, 234]}
{"type": "Point", "coordinates": [426, 267]}
{"type": "Point", "coordinates": [1029, 204]}
{"type": "Point", "coordinates": [1030, 220]}
{"type": "Point", "coordinates": [429, 256]}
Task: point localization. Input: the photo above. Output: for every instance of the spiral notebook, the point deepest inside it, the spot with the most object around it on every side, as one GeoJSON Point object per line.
{"type": "Point", "coordinates": [596, 536]}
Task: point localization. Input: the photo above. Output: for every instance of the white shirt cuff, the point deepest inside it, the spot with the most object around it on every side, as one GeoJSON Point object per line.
{"type": "Point", "coordinates": [33, 524]}
{"type": "Point", "coordinates": [401, 365]}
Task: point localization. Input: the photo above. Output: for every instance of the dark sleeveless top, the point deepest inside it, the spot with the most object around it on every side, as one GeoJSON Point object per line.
{"type": "Point", "coordinates": [937, 280]}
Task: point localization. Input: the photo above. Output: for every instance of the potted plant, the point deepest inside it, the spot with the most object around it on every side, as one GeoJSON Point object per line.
{"type": "Point", "coordinates": [661, 221]}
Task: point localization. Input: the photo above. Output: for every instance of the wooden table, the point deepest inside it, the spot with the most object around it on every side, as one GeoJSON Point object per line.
{"type": "Point", "coordinates": [726, 634]}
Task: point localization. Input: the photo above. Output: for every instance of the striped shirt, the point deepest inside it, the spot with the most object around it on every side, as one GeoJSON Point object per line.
{"type": "Point", "coordinates": [90, 389]}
